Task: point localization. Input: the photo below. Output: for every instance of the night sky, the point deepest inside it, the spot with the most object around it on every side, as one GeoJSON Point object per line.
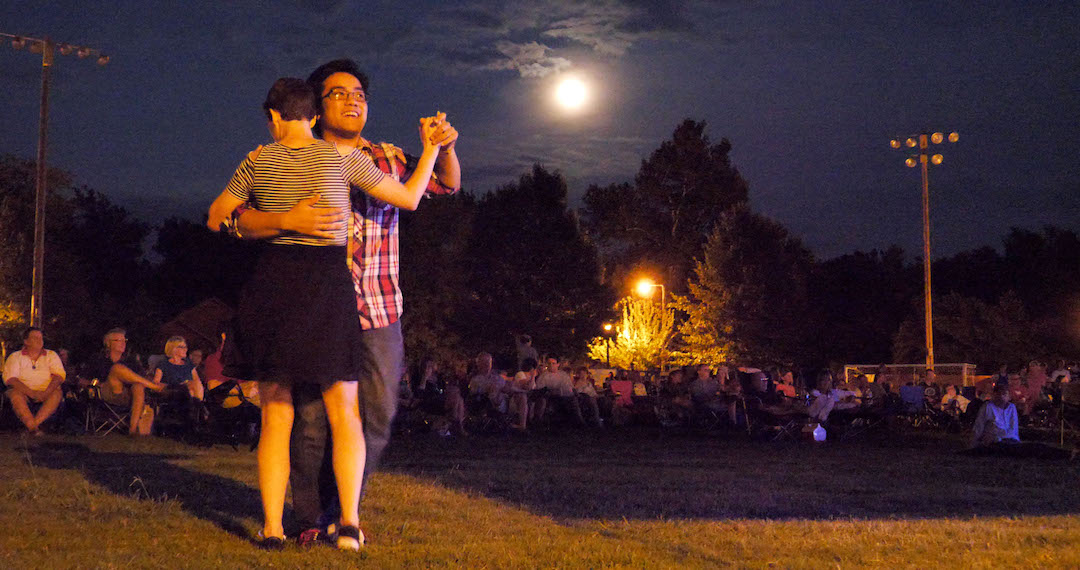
{"type": "Point", "coordinates": [809, 93]}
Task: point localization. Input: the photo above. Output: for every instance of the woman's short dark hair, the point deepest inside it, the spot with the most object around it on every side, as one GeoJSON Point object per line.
{"type": "Point", "coordinates": [529, 364]}
{"type": "Point", "coordinates": [26, 333]}
{"type": "Point", "coordinates": [293, 98]}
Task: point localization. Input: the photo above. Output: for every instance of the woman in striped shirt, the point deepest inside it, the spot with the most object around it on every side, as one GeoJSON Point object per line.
{"type": "Point", "coordinates": [296, 320]}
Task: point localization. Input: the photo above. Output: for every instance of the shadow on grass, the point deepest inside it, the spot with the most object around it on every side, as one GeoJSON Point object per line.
{"type": "Point", "coordinates": [150, 476]}
{"type": "Point", "coordinates": [649, 475]}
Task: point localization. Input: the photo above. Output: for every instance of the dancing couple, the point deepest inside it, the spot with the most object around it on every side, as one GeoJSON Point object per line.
{"type": "Point", "coordinates": [317, 322]}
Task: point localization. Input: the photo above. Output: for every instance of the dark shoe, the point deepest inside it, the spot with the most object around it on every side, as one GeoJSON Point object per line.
{"type": "Point", "coordinates": [269, 542]}
{"type": "Point", "coordinates": [310, 537]}
{"type": "Point", "coordinates": [349, 538]}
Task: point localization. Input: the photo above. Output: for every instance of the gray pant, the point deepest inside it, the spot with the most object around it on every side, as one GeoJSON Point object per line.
{"type": "Point", "coordinates": [312, 475]}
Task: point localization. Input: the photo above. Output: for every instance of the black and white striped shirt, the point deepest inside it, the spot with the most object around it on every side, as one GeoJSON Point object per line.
{"type": "Point", "coordinates": [282, 176]}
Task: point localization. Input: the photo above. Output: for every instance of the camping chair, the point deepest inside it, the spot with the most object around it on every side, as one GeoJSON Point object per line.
{"type": "Point", "coordinates": [1069, 410]}
{"type": "Point", "coordinates": [231, 417]}
{"type": "Point", "coordinates": [777, 423]}
{"type": "Point", "coordinates": [101, 416]}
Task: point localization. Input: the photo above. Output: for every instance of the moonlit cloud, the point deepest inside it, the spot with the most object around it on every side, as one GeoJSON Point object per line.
{"type": "Point", "coordinates": [530, 59]}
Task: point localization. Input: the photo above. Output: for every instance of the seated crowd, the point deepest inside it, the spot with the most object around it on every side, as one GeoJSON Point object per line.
{"type": "Point", "coordinates": [460, 395]}
{"type": "Point", "coordinates": [44, 388]}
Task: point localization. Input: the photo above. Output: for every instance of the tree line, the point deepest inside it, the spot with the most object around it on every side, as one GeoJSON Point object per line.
{"type": "Point", "coordinates": [479, 268]}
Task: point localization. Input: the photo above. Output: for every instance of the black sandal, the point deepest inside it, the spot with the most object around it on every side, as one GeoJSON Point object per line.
{"type": "Point", "coordinates": [349, 538]}
{"type": "Point", "coordinates": [269, 542]}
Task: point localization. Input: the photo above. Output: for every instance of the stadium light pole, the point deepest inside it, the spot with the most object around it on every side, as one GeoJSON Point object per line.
{"type": "Point", "coordinates": [922, 157]}
{"type": "Point", "coordinates": [47, 48]}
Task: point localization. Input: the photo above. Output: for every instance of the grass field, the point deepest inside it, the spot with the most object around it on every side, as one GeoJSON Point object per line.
{"type": "Point", "coordinates": [633, 499]}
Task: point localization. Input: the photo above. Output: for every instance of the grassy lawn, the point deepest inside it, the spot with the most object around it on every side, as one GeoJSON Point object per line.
{"type": "Point", "coordinates": [631, 499]}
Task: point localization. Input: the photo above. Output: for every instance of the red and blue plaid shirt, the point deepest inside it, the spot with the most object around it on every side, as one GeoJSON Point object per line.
{"type": "Point", "coordinates": [375, 262]}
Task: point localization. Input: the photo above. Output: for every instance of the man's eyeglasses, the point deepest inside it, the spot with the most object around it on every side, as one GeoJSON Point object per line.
{"type": "Point", "coordinates": [340, 95]}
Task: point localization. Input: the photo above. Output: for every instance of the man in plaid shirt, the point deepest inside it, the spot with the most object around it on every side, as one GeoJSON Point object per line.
{"type": "Point", "coordinates": [343, 89]}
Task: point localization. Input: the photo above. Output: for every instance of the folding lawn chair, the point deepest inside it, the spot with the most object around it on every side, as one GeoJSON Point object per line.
{"type": "Point", "coordinates": [101, 416]}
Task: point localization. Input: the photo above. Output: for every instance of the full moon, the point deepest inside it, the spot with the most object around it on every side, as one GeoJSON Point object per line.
{"type": "Point", "coordinates": [571, 94]}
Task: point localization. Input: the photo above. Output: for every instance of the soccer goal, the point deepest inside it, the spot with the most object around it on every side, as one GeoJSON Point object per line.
{"type": "Point", "coordinates": [961, 374]}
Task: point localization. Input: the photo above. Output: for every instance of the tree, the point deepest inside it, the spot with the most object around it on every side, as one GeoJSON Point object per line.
{"type": "Point", "coordinates": [434, 276]}
{"type": "Point", "coordinates": [641, 339]}
{"type": "Point", "coordinates": [532, 270]}
{"type": "Point", "coordinates": [971, 330]}
{"type": "Point", "coordinates": [748, 296]}
{"type": "Point", "coordinates": [197, 264]}
{"type": "Point", "coordinates": [862, 298]}
{"type": "Point", "coordinates": [663, 219]}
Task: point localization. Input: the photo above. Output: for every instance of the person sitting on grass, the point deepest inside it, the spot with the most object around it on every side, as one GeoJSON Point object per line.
{"type": "Point", "coordinates": [122, 386]}
{"type": "Point", "coordinates": [997, 422]}
{"type": "Point", "coordinates": [997, 432]}
{"type": "Point", "coordinates": [34, 375]}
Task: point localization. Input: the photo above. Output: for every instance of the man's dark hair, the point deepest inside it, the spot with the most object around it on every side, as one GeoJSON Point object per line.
{"type": "Point", "coordinates": [528, 365]}
{"type": "Point", "coordinates": [293, 98]}
{"type": "Point", "coordinates": [318, 77]}
{"type": "Point", "coordinates": [26, 333]}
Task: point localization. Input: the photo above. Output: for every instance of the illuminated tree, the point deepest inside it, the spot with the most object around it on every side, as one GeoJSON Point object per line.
{"type": "Point", "coordinates": [748, 299]}
{"type": "Point", "coordinates": [11, 319]}
{"type": "Point", "coordinates": [660, 223]}
{"type": "Point", "coordinates": [642, 337]}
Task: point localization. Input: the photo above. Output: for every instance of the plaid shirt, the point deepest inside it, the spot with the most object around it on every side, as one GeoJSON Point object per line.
{"type": "Point", "coordinates": [375, 262]}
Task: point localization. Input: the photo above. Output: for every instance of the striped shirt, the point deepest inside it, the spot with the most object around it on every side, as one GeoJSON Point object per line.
{"type": "Point", "coordinates": [281, 176]}
{"type": "Point", "coordinates": [375, 228]}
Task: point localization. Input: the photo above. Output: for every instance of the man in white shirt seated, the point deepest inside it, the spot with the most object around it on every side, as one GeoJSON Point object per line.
{"type": "Point", "coordinates": [488, 383]}
{"type": "Point", "coordinates": [560, 388]}
{"type": "Point", "coordinates": [34, 375]}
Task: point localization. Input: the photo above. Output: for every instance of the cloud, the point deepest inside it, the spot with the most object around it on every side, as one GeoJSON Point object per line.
{"type": "Point", "coordinates": [539, 38]}
{"type": "Point", "coordinates": [530, 59]}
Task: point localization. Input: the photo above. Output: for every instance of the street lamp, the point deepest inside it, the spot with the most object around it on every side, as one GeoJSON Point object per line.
{"type": "Point", "coordinates": [47, 48]}
{"type": "Point", "coordinates": [609, 331]}
{"type": "Point", "coordinates": [645, 288]}
{"type": "Point", "coordinates": [923, 157]}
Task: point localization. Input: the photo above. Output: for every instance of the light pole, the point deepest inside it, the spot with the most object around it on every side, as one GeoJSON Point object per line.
{"type": "Point", "coordinates": [922, 157]}
{"type": "Point", "coordinates": [47, 48]}
{"type": "Point", "coordinates": [609, 330]}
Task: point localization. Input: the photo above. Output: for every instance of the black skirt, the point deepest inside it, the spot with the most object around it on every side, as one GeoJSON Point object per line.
{"type": "Point", "coordinates": [296, 319]}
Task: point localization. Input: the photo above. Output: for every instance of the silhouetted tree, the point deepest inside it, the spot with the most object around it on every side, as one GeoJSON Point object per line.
{"type": "Point", "coordinates": [862, 298]}
{"type": "Point", "coordinates": [532, 269]}
{"type": "Point", "coordinates": [971, 330]}
{"type": "Point", "coordinates": [661, 222]}
{"type": "Point", "coordinates": [434, 276]}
